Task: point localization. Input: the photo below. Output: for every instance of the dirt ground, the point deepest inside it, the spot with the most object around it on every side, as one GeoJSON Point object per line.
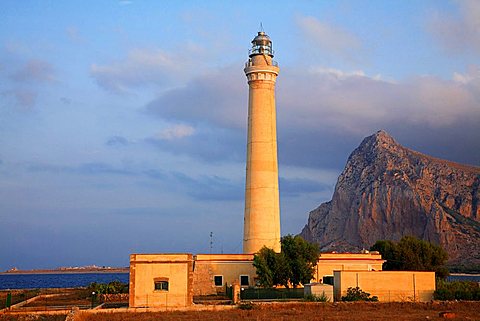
{"type": "Point", "coordinates": [309, 312]}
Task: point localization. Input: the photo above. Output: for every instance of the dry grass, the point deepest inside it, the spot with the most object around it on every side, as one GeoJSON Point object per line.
{"type": "Point", "coordinates": [67, 297]}
{"type": "Point", "coordinates": [31, 317]}
{"type": "Point", "coordinates": [308, 312]}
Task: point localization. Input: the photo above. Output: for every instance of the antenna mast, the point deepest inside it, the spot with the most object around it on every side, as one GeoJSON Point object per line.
{"type": "Point", "coordinates": [211, 242]}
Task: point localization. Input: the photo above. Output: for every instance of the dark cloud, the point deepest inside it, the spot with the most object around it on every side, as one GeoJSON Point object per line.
{"type": "Point", "coordinates": [211, 188]}
{"type": "Point", "coordinates": [323, 115]}
{"type": "Point", "coordinates": [297, 186]}
{"type": "Point", "coordinates": [65, 100]}
{"type": "Point", "coordinates": [217, 98]}
{"type": "Point", "coordinates": [208, 144]}
{"type": "Point", "coordinates": [117, 141]}
{"type": "Point", "coordinates": [203, 187]}
{"type": "Point", "coordinates": [83, 169]}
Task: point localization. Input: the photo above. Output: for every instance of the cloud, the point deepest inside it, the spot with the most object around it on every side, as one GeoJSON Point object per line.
{"type": "Point", "coordinates": [294, 187]}
{"type": "Point", "coordinates": [175, 132]}
{"type": "Point", "coordinates": [210, 144]}
{"type": "Point", "coordinates": [201, 187]}
{"type": "Point", "coordinates": [34, 71]}
{"type": "Point", "coordinates": [322, 115]}
{"type": "Point", "coordinates": [458, 33]}
{"type": "Point", "coordinates": [94, 168]}
{"type": "Point", "coordinates": [141, 67]}
{"type": "Point", "coordinates": [329, 38]}
{"type": "Point", "coordinates": [117, 141]}
{"type": "Point", "coordinates": [218, 97]}
{"type": "Point", "coordinates": [24, 99]}
{"type": "Point", "coordinates": [23, 80]}
{"type": "Point", "coordinates": [74, 35]}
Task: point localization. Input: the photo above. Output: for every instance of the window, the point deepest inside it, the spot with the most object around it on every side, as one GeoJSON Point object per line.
{"type": "Point", "coordinates": [161, 284]}
{"type": "Point", "coordinates": [328, 279]}
{"type": "Point", "coordinates": [244, 280]}
{"type": "Point", "coordinates": [218, 279]}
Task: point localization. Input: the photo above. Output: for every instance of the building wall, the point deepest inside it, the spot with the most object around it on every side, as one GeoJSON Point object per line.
{"type": "Point", "coordinates": [329, 262]}
{"type": "Point", "coordinates": [229, 266]}
{"type": "Point", "coordinates": [177, 269]}
{"type": "Point", "coordinates": [387, 285]}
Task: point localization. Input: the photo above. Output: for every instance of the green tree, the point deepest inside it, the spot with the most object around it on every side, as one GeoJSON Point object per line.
{"type": "Point", "coordinates": [294, 265]}
{"type": "Point", "coordinates": [388, 249]}
{"type": "Point", "coordinates": [412, 254]}
{"type": "Point", "coordinates": [265, 263]}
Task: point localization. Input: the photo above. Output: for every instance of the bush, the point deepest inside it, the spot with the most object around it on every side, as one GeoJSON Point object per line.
{"type": "Point", "coordinates": [457, 290]}
{"type": "Point", "coordinates": [113, 287]}
{"type": "Point", "coordinates": [356, 294]}
{"type": "Point", "coordinates": [317, 298]}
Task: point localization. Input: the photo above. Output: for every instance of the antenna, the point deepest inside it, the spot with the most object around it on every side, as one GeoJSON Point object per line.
{"type": "Point", "coordinates": [211, 242]}
{"type": "Point", "coordinates": [261, 27]}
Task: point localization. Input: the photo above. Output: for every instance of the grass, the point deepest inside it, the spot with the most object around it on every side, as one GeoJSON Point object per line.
{"type": "Point", "coordinates": [17, 296]}
{"type": "Point", "coordinates": [357, 311]}
{"type": "Point", "coordinates": [31, 317]}
{"type": "Point", "coordinates": [66, 297]}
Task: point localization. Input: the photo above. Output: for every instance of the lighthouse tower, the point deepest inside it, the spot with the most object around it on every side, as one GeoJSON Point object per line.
{"type": "Point", "coordinates": [262, 210]}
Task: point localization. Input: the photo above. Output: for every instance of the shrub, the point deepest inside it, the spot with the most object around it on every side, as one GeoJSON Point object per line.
{"type": "Point", "coordinates": [113, 287]}
{"type": "Point", "coordinates": [356, 294]}
{"type": "Point", "coordinates": [317, 298]}
{"type": "Point", "coordinates": [457, 290]}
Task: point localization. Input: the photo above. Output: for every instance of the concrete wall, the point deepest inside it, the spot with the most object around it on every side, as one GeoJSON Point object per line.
{"type": "Point", "coordinates": [330, 262]}
{"type": "Point", "coordinates": [177, 269]}
{"type": "Point", "coordinates": [318, 289]}
{"type": "Point", "coordinates": [387, 285]}
{"type": "Point", "coordinates": [229, 266]}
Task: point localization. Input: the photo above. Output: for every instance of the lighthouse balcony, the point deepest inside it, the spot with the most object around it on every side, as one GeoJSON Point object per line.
{"type": "Point", "coordinates": [249, 63]}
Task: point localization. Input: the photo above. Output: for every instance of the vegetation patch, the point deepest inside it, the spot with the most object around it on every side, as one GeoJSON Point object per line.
{"type": "Point", "coordinates": [317, 298]}
{"type": "Point", "coordinates": [457, 290]}
{"type": "Point", "coordinates": [412, 254]}
{"type": "Point", "coordinates": [294, 265]}
{"type": "Point", "coordinates": [356, 294]}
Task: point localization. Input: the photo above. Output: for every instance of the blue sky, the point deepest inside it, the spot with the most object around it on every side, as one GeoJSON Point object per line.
{"type": "Point", "coordinates": [123, 123]}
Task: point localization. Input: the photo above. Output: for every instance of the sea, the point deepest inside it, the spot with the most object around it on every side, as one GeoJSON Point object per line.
{"type": "Point", "coordinates": [58, 280]}
{"type": "Point", "coordinates": [74, 280]}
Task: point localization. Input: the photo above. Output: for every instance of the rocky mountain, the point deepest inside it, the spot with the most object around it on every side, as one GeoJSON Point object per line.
{"type": "Point", "coordinates": [387, 191]}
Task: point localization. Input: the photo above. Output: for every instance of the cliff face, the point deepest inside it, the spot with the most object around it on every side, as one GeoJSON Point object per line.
{"type": "Point", "coordinates": [387, 191]}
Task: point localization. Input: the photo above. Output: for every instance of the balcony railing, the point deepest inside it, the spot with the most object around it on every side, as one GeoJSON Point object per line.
{"type": "Point", "coordinates": [250, 64]}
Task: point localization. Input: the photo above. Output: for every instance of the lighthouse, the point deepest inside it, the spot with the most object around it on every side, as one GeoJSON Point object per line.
{"type": "Point", "coordinates": [262, 208]}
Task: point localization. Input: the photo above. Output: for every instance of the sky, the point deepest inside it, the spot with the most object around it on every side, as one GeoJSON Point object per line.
{"type": "Point", "coordinates": [123, 123]}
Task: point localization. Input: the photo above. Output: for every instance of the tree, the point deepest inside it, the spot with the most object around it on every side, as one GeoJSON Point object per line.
{"type": "Point", "coordinates": [412, 254]}
{"type": "Point", "coordinates": [294, 265]}
{"type": "Point", "coordinates": [265, 262]}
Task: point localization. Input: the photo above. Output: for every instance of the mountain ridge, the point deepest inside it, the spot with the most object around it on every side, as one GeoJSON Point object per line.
{"type": "Point", "coordinates": [387, 191]}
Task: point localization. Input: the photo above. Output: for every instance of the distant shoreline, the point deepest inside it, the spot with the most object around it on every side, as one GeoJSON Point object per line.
{"type": "Point", "coordinates": [69, 271]}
